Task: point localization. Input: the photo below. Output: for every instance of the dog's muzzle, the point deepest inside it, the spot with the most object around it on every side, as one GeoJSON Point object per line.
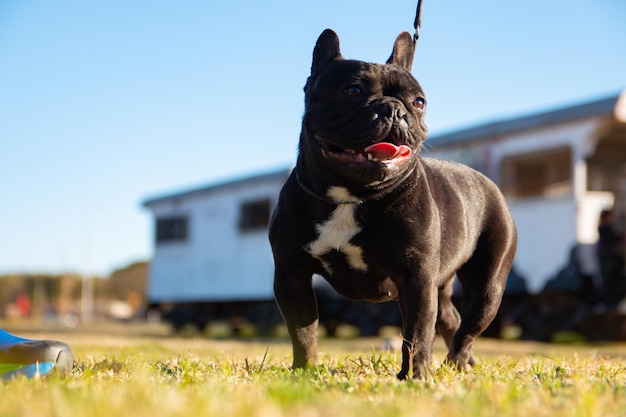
{"type": "Point", "coordinates": [379, 153]}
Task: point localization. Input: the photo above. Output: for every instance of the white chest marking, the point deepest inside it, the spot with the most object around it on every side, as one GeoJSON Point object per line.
{"type": "Point", "coordinates": [336, 232]}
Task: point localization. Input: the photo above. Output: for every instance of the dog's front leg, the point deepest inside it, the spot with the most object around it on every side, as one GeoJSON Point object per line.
{"type": "Point", "coordinates": [296, 301]}
{"type": "Point", "coordinates": [418, 304]}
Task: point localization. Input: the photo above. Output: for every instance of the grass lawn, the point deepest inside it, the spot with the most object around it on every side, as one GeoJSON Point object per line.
{"type": "Point", "coordinates": [138, 371]}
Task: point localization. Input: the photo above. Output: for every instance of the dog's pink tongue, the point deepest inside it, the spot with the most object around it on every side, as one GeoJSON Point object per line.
{"type": "Point", "coordinates": [385, 150]}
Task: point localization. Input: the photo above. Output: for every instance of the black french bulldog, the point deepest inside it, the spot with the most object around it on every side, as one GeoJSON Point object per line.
{"type": "Point", "coordinates": [363, 209]}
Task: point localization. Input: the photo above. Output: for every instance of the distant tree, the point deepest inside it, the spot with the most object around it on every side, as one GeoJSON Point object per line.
{"type": "Point", "coordinates": [62, 293]}
{"type": "Point", "coordinates": [12, 286]}
{"type": "Point", "coordinates": [129, 283]}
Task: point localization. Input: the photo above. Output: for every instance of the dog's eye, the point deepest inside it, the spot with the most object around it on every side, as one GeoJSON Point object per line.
{"type": "Point", "coordinates": [419, 103]}
{"type": "Point", "coordinates": [353, 91]}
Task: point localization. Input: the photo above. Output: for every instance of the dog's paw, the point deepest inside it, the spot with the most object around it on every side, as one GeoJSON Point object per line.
{"type": "Point", "coordinates": [419, 373]}
{"type": "Point", "coordinates": [460, 361]}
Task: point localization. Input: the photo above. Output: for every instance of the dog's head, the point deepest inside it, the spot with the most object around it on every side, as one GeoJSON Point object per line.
{"type": "Point", "coordinates": [363, 122]}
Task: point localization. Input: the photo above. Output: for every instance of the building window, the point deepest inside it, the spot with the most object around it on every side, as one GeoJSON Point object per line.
{"type": "Point", "coordinates": [545, 174]}
{"type": "Point", "coordinates": [254, 215]}
{"type": "Point", "coordinates": [172, 229]}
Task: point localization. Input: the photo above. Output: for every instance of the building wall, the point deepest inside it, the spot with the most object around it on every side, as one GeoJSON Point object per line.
{"type": "Point", "coordinates": [218, 261]}
{"type": "Point", "coordinates": [546, 236]}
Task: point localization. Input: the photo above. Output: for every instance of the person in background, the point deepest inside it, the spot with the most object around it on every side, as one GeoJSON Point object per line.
{"type": "Point", "coordinates": [611, 257]}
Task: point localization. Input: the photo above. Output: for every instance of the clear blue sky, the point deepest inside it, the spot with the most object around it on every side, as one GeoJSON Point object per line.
{"type": "Point", "coordinates": [106, 103]}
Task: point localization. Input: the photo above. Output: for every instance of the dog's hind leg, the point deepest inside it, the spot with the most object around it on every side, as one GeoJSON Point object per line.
{"type": "Point", "coordinates": [448, 317]}
{"type": "Point", "coordinates": [484, 279]}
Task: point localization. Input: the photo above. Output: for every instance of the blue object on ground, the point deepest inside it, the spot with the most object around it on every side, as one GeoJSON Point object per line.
{"type": "Point", "coordinates": [19, 356]}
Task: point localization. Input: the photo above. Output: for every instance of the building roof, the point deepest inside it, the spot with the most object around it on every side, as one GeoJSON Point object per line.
{"type": "Point", "coordinates": [603, 107]}
{"type": "Point", "coordinates": [221, 185]}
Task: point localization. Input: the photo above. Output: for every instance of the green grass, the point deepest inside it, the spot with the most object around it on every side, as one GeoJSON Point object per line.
{"type": "Point", "coordinates": [134, 373]}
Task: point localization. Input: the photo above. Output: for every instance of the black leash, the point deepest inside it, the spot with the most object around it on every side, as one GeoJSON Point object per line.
{"type": "Point", "coordinates": [417, 23]}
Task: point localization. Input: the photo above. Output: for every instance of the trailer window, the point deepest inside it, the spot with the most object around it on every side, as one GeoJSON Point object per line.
{"type": "Point", "coordinates": [545, 174]}
{"type": "Point", "coordinates": [171, 229]}
{"type": "Point", "coordinates": [254, 215]}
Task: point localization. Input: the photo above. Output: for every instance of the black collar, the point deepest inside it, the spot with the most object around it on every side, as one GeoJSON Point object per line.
{"type": "Point", "coordinates": [321, 197]}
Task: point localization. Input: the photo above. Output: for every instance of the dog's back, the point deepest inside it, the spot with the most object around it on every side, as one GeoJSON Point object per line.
{"type": "Point", "coordinates": [472, 211]}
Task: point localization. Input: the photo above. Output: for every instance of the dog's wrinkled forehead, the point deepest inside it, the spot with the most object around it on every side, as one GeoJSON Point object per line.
{"type": "Point", "coordinates": [372, 81]}
{"type": "Point", "coordinates": [383, 79]}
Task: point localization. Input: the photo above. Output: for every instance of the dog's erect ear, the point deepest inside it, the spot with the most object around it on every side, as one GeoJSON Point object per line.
{"type": "Point", "coordinates": [403, 51]}
{"type": "Point", "coordinates": [326, 50]}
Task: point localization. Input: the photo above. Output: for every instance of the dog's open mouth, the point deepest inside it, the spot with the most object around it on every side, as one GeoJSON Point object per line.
{"type": "Point", "coordinates": [382, 152]}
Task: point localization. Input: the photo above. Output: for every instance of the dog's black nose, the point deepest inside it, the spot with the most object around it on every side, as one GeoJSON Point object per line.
{"type": "Point", "coordinates": [391, 110]}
